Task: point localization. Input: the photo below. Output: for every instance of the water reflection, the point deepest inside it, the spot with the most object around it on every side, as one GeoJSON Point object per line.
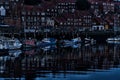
{"type": "Point", "coordinates": [53, 61]}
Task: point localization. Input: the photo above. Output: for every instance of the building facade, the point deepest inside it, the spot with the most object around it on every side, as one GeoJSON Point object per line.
{"type": "Point", "coordinates": [61, 13]}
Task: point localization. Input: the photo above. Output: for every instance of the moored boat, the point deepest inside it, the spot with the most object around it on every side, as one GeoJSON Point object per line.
{"type": "Point", "coordinates": [89, 40]}
{"type": "Point", "coordinates": [29, 43]}
{"type": "Point", "coordinates": [9, 43]}
{"type": "Point", "coordinates": [48, 48]}
{"type": "Point", "coordinates": [46, 42]}
{"type": "Point", "coordinates": [116, 38]}
{"type": "Point", "coordinates": [14, 53]}
{"type": "Point", "coordinates": [67, 43]}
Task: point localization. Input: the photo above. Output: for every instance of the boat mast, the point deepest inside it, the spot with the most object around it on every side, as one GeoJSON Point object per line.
{"type": "Point", "coordinates": [115, 25]}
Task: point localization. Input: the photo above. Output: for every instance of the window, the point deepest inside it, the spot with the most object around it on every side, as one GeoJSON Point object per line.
{"type": "Point", "coordinates": [35, 19]}
{"type": "Point", "coordinates": [33, 13]}
{"type": "Point", "coordinates": [42, 19]}
{"type": "Point", "coordinates": [61, 23]}
{"type": "Point", "coordinates": [23, 13]}
{"type": "Point", "coordinates": [28, 13]}
{"type": "Point", "coordinates": [29, 17]}
{"type": "Point", "coordinates": [6, 2]}
{"type": "Point", "coordinates": [22, 18]}
{"type": "Point", "coordinates": [43, 13]}
{"type": "Point", "coordinates": [38, 13]}
{"type": "Point", "coordinates": [68, 23]}
{"type": "Point", "coordinates": [52, 10]}
{"type": "Point", "coordinates": [48, 9]}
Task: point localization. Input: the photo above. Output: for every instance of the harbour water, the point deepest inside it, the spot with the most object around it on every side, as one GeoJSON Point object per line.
{"type": "Point", "coordinates": [78, 62]}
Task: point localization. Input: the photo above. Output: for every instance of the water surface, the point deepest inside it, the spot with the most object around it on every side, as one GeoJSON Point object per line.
{"type": "Point", "coordinates": [78, 62]}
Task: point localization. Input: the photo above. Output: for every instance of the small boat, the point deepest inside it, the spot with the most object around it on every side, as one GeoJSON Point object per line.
{"type": "Point", "coordinates": [14, 53]}
{"type": "Point", "coordinates": [9, 43]}
{"type": "Point", "coordinates": [76, 40]}
{"type": "Point", "coordinates": [29, 43]}
{"type": "Point", "coordinates": [47, 42]}
{"type": "Point", "coordinates": [116, 38]}
{"type": "Point", "coordinates": [48, 48]}
{"type": "Point", "coordinates": [89, 40]}
{"type": "Point", "coordinates": [113, 42]}
{"type": "Point", "coordinates": [76, 45]}
{"type": "Point", "coordinates": [68, 43]}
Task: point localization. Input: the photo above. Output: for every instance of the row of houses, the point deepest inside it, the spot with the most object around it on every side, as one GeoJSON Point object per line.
{"type": "Point", "coordinates": [102, 15]}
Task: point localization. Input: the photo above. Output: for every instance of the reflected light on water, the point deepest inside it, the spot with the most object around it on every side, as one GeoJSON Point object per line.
{"type": "Point", "coordinates": [85, 62]}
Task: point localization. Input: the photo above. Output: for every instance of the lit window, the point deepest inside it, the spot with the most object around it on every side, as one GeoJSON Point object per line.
{"type": "Point", "coordinates": [43, 13]}
{"type": "Point", "coordinates": [61, 23]}
{"type": "Point", "coordinates": [47, 9]}
{"type": "Point", "coordinates": [52, 10]}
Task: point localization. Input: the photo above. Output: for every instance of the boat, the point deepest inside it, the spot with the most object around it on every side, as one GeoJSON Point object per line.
{"type": "Point", "coordinates": [48, 48]}
{"type": "Point", "coordinates": [14, 53]}
{"type": "Point", "coordinates": [9, 43]}
{"type": "Point", "coordinates": [49, 40]}
{"type": "Point", "coordinates": [116, 38]}
{"type": "Point", "coordinates": [76, 40]}
{"type": "Point", "coordinates": [89, 40]}
{"type": "Point", "coordinates": [76, 45]}
{"type": "Point", "coordinates": [46, 42]}
{"type": "Point", "coordinates": [68, 43]}
{"type": "Point", "coordinates": [113, 42]}
{"type": "Point", "coordinates": [29, 43]}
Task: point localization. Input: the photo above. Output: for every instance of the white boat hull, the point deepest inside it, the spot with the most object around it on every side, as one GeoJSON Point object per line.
{"type": "Point", "coordinates": [113, 39]}
{"type": "Point", "coordinates": [8, 43]}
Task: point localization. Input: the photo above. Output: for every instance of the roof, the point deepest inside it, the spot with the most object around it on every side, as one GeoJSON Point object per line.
{"type": "Point", "coordinates": [44, 6]}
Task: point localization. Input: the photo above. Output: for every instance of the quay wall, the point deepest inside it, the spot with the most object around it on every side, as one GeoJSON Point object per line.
{"type": "Point", "coordinates": [98, 35]}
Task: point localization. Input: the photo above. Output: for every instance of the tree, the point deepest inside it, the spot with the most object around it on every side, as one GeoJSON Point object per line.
{"type": "Point", "coordinates": [47, 0]}
{"type": "Point", "coordinates": [32, 2]}
{"type": "Point", "coordinates": [82, 5]}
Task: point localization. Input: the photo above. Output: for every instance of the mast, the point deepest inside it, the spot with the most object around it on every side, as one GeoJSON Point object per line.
{"type": "Point", "coordinates": [115, 25]}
